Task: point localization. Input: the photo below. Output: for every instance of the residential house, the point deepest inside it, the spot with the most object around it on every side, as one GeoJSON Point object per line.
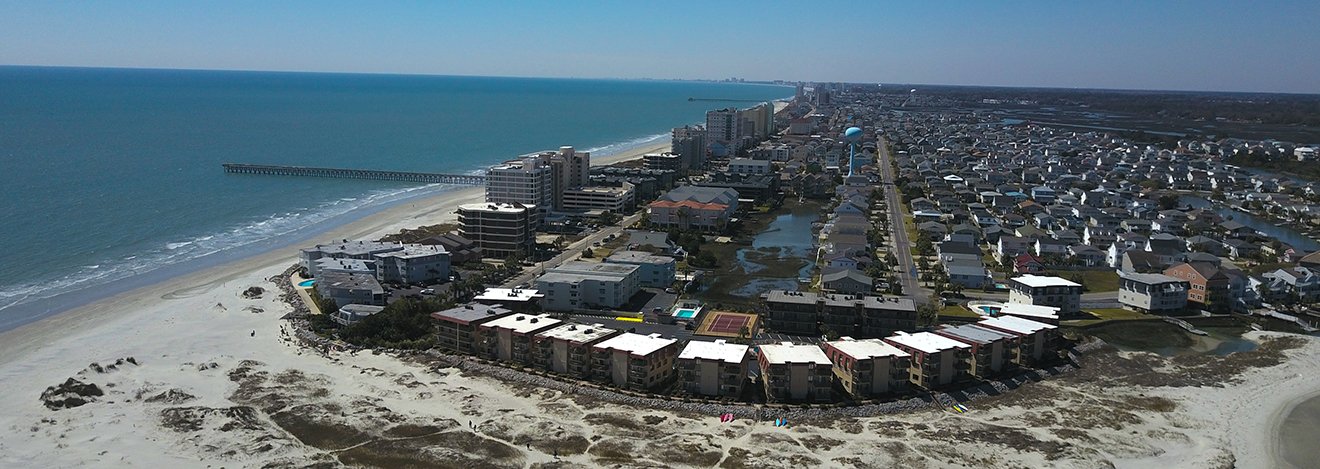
{"type": "Point", "coordinates": [1152, 293]}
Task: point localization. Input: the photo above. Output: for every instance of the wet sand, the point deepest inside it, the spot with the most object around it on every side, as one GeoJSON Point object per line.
{"type": "Point", "coordinates": [1295, 437]}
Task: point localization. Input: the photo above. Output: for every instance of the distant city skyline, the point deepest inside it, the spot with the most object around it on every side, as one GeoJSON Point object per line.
{"type": "Point", "coordinates": [1203, 46]}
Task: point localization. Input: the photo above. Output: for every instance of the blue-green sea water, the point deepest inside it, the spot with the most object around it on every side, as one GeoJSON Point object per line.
{"type": "Point", "coordinates": [111, 179]}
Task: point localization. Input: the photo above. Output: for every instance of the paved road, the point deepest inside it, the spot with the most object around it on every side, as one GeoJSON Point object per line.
{"type": "Point", "coordinates": [899, 243]}
{"type": "Point", "coordinates": [572, 252]}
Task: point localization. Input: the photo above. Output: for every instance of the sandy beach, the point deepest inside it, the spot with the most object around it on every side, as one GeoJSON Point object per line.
{"type": "Point", "coordinates": [214, 380]}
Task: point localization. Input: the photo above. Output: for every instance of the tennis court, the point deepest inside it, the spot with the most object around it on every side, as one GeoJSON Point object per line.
{"type": "Point", "coordinates": [727, 324]}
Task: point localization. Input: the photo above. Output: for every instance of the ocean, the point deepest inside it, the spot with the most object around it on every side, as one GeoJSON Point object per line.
{"type": "Point", "coordinates": [111, 178]}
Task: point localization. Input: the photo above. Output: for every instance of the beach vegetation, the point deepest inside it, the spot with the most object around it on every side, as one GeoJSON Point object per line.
{"type": "Point", "coordinates": [404, 324]}
{"type": "Point", "coordinates": [326, 306]}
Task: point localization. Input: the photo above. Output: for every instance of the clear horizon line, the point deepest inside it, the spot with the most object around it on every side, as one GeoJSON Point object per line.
{"type": "Point", "coordinates": [770, 82]}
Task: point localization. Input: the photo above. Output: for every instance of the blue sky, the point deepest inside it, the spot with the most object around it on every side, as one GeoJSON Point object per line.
{"type": "Point", "coordinates": [1194, 45]}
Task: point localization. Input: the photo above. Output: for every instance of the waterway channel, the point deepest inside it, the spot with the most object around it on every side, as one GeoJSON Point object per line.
{"type": "Point", "coordinates": [1282, 233]}
{"type": "Point", "coordinates": [784, 244]}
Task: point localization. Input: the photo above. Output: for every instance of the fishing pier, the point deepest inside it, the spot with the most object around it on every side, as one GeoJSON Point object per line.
{"type": "Point", "coordinates": [340, 173]}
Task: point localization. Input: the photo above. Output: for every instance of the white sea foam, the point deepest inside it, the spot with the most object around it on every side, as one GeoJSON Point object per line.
{"type": "Point", "coordinates": [173, 253]}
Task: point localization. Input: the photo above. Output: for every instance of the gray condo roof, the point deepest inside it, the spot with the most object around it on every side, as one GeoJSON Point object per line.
{"type": "Point", "coordinates": [974, 333]}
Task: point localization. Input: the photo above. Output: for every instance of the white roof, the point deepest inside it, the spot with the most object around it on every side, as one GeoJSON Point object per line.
{"type": "Point", "coordinates": [523, 323]}
{"type": "Point", "coordinates": [577, 333]}
{"type": "Point", "coordinates": [788, 352]}
{"type": "Point", "coordinates": [514, 295]}
{"type": "Point", "coordinates": [866, 348]}
{"type": "Point", "coordinates": [1037, 281]}
{"type": "Point", "coordinates": [1034, 311]}
{"type": "Point", "coordinates": [926, 342]}
{"type": "Point", "coordinates": [718, 350]}
{"type": "Point", "coordinates": [1016, 325]}
{"type": "Point", "coordinates": [636, 344]}
{"type": "Point", "coordinates": [493, 207]}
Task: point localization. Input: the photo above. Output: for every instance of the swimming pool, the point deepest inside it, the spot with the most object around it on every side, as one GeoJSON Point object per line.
{"type": "Point", "coordinates": [307, 283]}
{"type": "Point", "coordinates": [685, 313]}
{"type": "Point", "coordinates": [985, 309]}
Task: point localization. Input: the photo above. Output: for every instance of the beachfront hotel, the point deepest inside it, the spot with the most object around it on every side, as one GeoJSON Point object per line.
{"type": "Point", "coordinates": [588, 285]}
{"type": "Point", "coordinates": [509, 338]}
{"type": "Point", "coordinates": [567, 349]}
{"type": "Point", "coordinates": [795, 372]}
{"type": "Point", "coordinates": [634, 361]}
{"type": "Point", "coordinates": [936, 360]}
{"type": "Point", "coordinates": [456, 328]}
{"type": "Point", "coordinates": [713, 368]}
{"type": "Point", "coordinates": [992, 351]}
{"type": "Point", "coordinates": [868, 367]}
{"type": "Point", "coordinates": [1046, 291]}
{"type": "Point", "coordinates": [500, 229]}
{"type": "Point", "coordinates": [1035, 339]}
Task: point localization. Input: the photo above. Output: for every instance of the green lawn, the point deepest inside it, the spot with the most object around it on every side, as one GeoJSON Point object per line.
{"type": "Point", "coordinates": [1117, 314]}
{"type": "Point", "coordinates": [1092, 280]}
{"type": "Point", "coordinates": [1106, 315]}
{"type": "Point", "coordinates": [958, 311]}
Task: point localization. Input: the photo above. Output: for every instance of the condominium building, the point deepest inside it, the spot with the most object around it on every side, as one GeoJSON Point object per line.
{"type": "Point", "coordinates": [722, 132]}
{"type": "Point", "coordinates": [851, 315]}
{"type": "Point", "coordinates": [509, 338]}
{"type": "Point", "coordinates": [588, 285]}
{"type": "Point", "coordinates": [567, 349]}
{"type": "Point", "coordinates": [1046, 291]}
{"type": "Point", "coordinates": [634, 361]}
{"type": "Point", "coordinates": [1154, 293]}
{"type": "Point", "coordinates": [456, 328]}
{"type": "Point", "coordinates": [521, 300]}
{"type": "Point", "coordinates": [527, 181]}
{"type": "Point", "coordinates": [749, 166]}
{"type": "Point", "coordinates": [713, 368]}
{"type": "Point", "coordinates": [1037, 340]}
{"type": "Point", "coordinates": [936, 360]}
{"type": "Point", "coordinates": [344, 249]}
{"type": "Point", "coordinates": [793, 372]}
{"type": "Point", "coordinates": [692, 207]}
{"type": "Point", "coordinates": [792, 312]}
{"type": "Point", "coordinates": [667, 161]}
{"type": "Point", "coordinates": [604, 198]}
{"type": "Point", "coordinates": [415, 263]}
{"type": "Point", "coordinates": [653, 271]}
{"type": "Point", "coordinates": [347, 288]}
{"type": "Point", "coordinates": [689, 143]}
{"type": "Point", "coordinates": [992, 350]}
{"type": "Point", "coordinates": [868, 367]}
{"type": "Point", "coordinates": [500, 229]}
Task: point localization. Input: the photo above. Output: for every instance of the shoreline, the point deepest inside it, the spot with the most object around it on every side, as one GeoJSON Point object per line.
{"type": "Point", "coordinates": [386, 220]}
{"type": "Point", "coordinates": [1277, 419]}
